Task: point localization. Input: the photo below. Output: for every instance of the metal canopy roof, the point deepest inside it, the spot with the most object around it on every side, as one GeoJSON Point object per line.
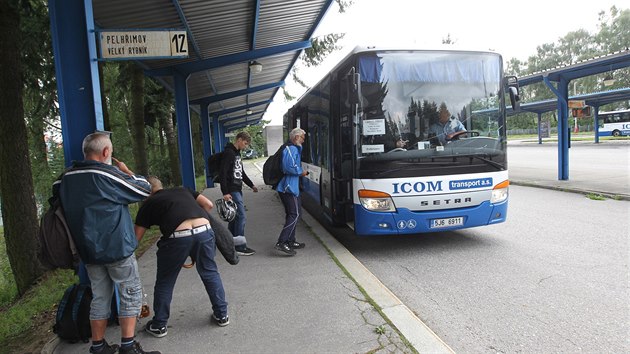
{"type": "Point", "coordinates": [597, 65]}
{"type": "Point", "coordinates": [223, 37]}
{"type": "Point", "coordinates": [595, 99]}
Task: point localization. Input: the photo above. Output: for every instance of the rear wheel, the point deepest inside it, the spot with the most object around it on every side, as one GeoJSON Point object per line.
{"type": "Point", "coordinates": [616, 133]}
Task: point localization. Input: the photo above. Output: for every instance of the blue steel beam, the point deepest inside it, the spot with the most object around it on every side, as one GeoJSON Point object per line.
{"type": "Point", "coordinates": [242, 125]}
{"type": "Point", "coordinates": [252, 46]}
{"type": "Point", "coordinates": [210, 63]}
{"type": "Point", "coordinates": [228, 95]}
{"type": "Point", "coordinates": [242, 119]}
{"type": "Point", "coordinates": [74, 48]}
{"type": "Point", "coordinates": [231, 119]}
{"type": "Point", "coordinates": [217, 133]}
{"type": "Point", "coordinates": [205, 136]}
{"type": "Point", "coordinates": [594, 66]}
{"type": "Point", "coordinates": [182, 17]}
{"type": "Point", "coordinates": [240, 108]}
{"type": "Point", "coordinates": [184, 136]}
{"type": "Point", "coordinates": [562, 92]}
{"type": "Point", "coordinates": [325, 9]}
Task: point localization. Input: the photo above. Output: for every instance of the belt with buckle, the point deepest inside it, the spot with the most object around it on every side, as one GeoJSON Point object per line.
{"type": "Point", "coordinates": [190, 232]}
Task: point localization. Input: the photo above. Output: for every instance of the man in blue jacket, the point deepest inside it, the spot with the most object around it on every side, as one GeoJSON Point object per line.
{"type": "Point", "coordinates": [95, 196]}
{"type": "Point", "coordinates": [289, 190]}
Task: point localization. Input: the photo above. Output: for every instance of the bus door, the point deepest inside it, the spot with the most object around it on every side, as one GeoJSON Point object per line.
{"type": "Point", "coordinates": [342, 148]}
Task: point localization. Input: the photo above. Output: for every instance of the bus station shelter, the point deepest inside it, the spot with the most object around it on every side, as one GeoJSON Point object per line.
{"type": "Point", "coordinates": [224, 59]}
{"type": "Point", "coordinates": [558, 80]}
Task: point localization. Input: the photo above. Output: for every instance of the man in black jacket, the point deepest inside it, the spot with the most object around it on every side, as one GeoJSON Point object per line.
{"type": "Point", "coordinates": [231, 177]}
{"type": "Point", "coordinates": [182, 216]}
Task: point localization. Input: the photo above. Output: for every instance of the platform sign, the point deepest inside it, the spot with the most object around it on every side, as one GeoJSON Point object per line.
{"type": "Point", "coordinates": [139, 44]}
{"type": "Point", "coordinates": [576, 103]}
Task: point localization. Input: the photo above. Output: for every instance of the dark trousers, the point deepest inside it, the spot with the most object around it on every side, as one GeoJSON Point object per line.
{"type": "Point", "coordinates": [293, 210]}
{"type": "Point", "coordinates": [171, 255]}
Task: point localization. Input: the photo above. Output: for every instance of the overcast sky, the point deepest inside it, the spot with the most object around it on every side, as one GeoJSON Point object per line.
{"type": "Point", "coordinates": [512, 28]}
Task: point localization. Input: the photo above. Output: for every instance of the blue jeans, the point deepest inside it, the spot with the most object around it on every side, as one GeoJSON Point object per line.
{"type": "Point", "coordinates": [237, 226]}
{"type": "Point", "coordinates": [171, 255]}
{"type": "Point", "coordinates": [292, 210]}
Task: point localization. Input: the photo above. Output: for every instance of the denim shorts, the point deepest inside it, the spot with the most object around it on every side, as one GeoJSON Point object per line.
{"type": "Point", "coordinates": [103, 277]}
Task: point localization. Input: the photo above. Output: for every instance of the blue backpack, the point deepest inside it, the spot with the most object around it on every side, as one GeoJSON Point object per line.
{"type": "Point", "coordinates": [73, 314]}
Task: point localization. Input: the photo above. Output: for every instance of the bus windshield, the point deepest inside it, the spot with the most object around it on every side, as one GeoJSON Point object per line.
{"type": "Point", "coordinates": [440, 112]}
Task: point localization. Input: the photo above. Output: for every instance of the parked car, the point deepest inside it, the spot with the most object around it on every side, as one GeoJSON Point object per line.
{"type": "Point", "coordinates": [250, 154]}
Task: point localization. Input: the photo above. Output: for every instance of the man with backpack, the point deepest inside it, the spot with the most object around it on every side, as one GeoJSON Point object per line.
{"type": "Point", "coordinates": [289, 191]}
{"type": "Point", "coordinates": [95, 196]}
{"type": "Point", "coordinates": [231, 177]}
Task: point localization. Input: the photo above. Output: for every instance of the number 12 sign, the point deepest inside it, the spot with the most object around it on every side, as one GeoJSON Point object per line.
{"type": "Point", "coordinates": [143, 44]}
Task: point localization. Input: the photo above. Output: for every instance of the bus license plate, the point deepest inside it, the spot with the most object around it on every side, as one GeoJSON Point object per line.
{"type": "Point", "coordinates": [448, 222]}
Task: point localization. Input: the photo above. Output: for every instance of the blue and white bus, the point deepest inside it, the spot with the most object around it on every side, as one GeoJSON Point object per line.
{"type": "Point", "coordinates": [377, 159]}
{"type": "Point", "coordinates": [614, 123]}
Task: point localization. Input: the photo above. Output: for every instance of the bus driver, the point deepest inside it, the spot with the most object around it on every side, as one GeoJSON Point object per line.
{"type": "Point", "coordinates": [446, 127]}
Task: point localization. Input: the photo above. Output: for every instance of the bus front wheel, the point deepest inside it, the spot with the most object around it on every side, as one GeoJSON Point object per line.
{"type": "Point", "coordinates": [616, 133]}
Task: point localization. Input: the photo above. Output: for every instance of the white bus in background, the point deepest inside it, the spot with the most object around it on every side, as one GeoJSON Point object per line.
{"type": "Point", "coordinates": [614, 123]}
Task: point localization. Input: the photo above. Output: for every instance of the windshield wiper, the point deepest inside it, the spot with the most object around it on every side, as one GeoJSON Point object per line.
{"type": "Point", "coordinates": [488, 161]}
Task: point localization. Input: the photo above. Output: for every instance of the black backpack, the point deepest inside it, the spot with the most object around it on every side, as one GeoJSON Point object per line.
{"type": "Point", "coordinates": [73, 314]}
{"type": "Point", "coordinates": [214, 163]}
{"type": "Point", "coordinates": [57, 248]}
{"type": "Point", "coordinates": [272, 169]}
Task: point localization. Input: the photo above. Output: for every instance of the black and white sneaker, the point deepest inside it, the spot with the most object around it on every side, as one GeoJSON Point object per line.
{"type": "Point", "coordinates": [223, 321]}
{"type": "Point", "coordinates": [284, 247]}
{"type": "Point", "coordinates": [296, 245]}
{"type": "Point", "coordinates": [158, 332]}
{"type": "Point", "coordinates": [245, 251]}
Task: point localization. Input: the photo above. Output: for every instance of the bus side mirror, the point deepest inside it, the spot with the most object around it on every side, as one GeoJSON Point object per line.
{"type": "Point", "coordinates": [356, 80]}
{"type": "Point", "coordinates": [513, 91]}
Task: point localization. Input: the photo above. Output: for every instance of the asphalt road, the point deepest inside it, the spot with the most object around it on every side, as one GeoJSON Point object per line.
{"type": "Point", "coordinates": [553, 278]}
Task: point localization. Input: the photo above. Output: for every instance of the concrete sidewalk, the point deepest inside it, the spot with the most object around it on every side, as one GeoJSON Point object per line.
{"type": "Point", "coordinates": [602, 168]}
{"type": "Point", "coordinates": [310, 303]}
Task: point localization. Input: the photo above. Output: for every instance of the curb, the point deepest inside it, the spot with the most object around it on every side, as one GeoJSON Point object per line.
{"type": "Point", "coordinates": [50, 346]}
{"type": "Point", "coordinates": [416, 332]}
{"type": "Point", "coordinates": [571, 190]}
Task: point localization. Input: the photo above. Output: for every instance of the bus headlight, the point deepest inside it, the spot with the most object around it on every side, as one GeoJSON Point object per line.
{"type": "Point", "coordinates": [500, 192]}
{"type": "Point", "coordinates": [376, 201]}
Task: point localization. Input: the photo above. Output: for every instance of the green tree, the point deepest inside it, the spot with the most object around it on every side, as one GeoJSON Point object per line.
{"type": "Point", "coordinates": [137, 120]}
{"type": "Point", "coordinates": [613, 35]}
{"type": "Point", "coordinates": [39, 96]}
{"type": "Point", "coordinates": [320, 48]}
{"type": "Point", "coordinates": [19, 211]}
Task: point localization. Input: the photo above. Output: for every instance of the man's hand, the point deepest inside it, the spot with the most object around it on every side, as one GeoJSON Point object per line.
{"type": "Point", "coordinates": [227, 197]}
{"type": "Point", "coordinates": [401, 143]}
{"type": "Point", "coordinates": [122, 166]}
{"type": "Point", "coordinates": [255, 189]}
